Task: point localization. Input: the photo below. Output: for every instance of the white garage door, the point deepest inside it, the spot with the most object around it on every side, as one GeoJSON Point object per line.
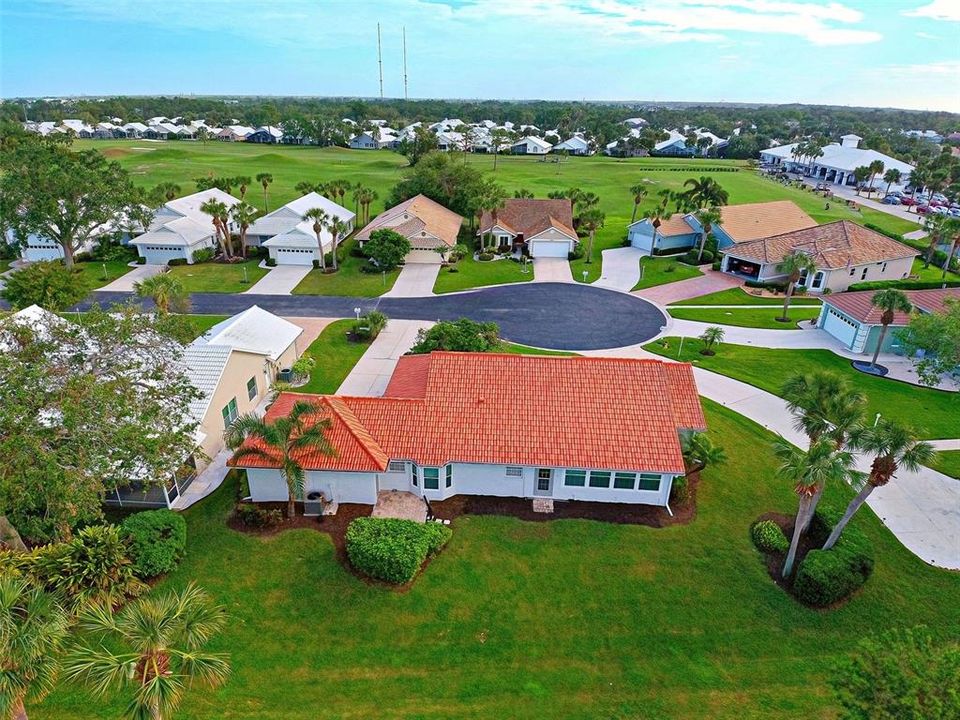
{"type": "Point", "coordinates": [156, 255]}
{"type": "Point", "coordinates": [549, 248]}
{"type": "Point", "coordinates": [294, 256]}
{"type": "Point", "coordinates": [423, 256]}
{"type": "Point", "coordinates": [641, 240]}
{"type": "Point", "coordinates": [838, 326]}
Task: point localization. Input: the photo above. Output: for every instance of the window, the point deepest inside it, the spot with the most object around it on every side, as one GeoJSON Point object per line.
{"type": "Point", "coordinates": [863, 275]}
{"type": "Point", "coordinates": [431, 478]}
{"type": "Point", "coordinates": [252, 388]}
{"type": "Point", "coordinates": [649, 481]}
{"type": "Point", "coordinates": [883, 267]}
{"type": "Point", "coordinates": [449, 476]}
{"type": "Point", "coordinates": [575, 478]}
{"type": "Point", "coordinates": [544, 477]}
{"type": "Point", "coordinates": [599, 479]}
{"type": "Point", "coordinates": [514, 471]}
{"type": "Point", "coordinates": [853, 272]}
{"type": "Point", "coordinates": [396, 466]}
{"type": "Point", "coordinates": [624, 481]}
{"type": "Point", "coordinates": [413, 475]}
{"type": "Point", "coordinates": [229, 412]}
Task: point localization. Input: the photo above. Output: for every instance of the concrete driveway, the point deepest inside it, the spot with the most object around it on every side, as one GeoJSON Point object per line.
{"type": "Point", "coordinates": [125, 283]}
{"type": "Point", "coordinates": [372, 372]}
{"type": "Point", "coordinates": [280, 280]}
{"type": "Point", "coordinates": [552, 270]}
{"type": "Point", "coordinates": [621, 268]}
{"type": "Point", "coordinates": [415, 280]}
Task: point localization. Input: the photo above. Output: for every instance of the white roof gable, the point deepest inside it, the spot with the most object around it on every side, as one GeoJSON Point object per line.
{"type": "Point", "coordinates": [254, 330]}
{"type": "Point", "coordinates": [204, 366]}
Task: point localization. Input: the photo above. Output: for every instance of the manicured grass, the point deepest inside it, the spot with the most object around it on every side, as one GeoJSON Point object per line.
{"type": "Point", "coordinates": [930, 274]}
{"type": "Point", "coordinates": [93, 272]}
{"type": "Point", "coordinates": [202, 323]}
{"type": "Point", "coordinates": [335, 356]}
{"type": "Point", "coordinates": [656, 271]}
{"type": "Point", "coordinates": [348, 280]}
{"type": "Point", "coordinates": [474, 273]}
{"type": "Point", "coordinates": [738, 296]}
{"type": "Point", "coordinates": [949, 463]}
{"type": "Point", "coordinates": [746, 317]}
{"type": "Point", "coordinates": [5, 264]}
{"type": "Point", "coordinates": [564, 619]}
{"type": "Point", "coordinates": [933, 412]}
{"type": "Point", "coordinates": [514, 349]}
{"type": "Point", "coordinates": [219, 277]}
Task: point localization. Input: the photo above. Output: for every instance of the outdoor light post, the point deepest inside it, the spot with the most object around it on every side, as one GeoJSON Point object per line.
{"type": "Point", "coordinates": [585, 275]}
{"type": "Point", "coordinates": [876, 420]}
{"type": "Point", "coordinates": [357, 311]}
{"type": "Point", "coordinates": [104, 266]}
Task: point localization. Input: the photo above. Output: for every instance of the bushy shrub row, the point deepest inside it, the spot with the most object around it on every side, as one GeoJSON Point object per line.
{"type": "Point", "coordinates": [485, 256]}
{"type": "Point", "coordinates": [203, 255]}
{"type": "Point", "coordinates": [271, 262]}
{"type": "Point", "coordinates": [768, 537]}
{"type": "Point", "coordinates": [825, 577]}
{"type": "Point", "coordinates": [577, 252]}
{"type": "Point", "coordinates": [771, 286]}
{"type": "Point", "coordinates": [693, 257]}
{"type": "Point", "coordinates": [157, 541]}
{"type": "Point", "coordinates": [174, 262]}
{"type": "Point", "coordinates": [393, 550]}
{"type": "Point", "coordinates": [370, 325]}
{"type": "Point", "coordinates": [904, 284]}
{"type": "Point", "coordinates": [253, 516]}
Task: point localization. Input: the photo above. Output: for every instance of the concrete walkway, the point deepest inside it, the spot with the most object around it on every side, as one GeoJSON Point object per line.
{"type": "Point", "coordinates": [280, 280]}
{"type": "Point", "coordinates": [125, 283]}
{"type": "Point", "coordinates": [415, 280]}
{"type": "Point", "coordinates": [372, 372]}
{"type": "Point", "coordinates": [311, 326]}
{"type": "Point", "coordinates": [711, 281]}
{"type": "Point", "coordinates": [946, 445]}
{"type": "Point", "coordinates": [621, 268]}
{"type": "Point", "coordinates": [209, 479]}
{"type": "Point", "coordinates": [552, 270]}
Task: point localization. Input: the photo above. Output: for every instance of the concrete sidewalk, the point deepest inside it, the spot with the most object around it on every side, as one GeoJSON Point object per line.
{"type": "Point", "coordinates": [280, 280]}
{"type": "Point", "coordinates": [125, 283]}
{"type": "Point", "coordinates": [552, 270]}
{"type": "Point", "coordinates": [372, 372]}
{"type": "Point", "coordinates": [621, 268]}
{"type": "Point", "coordinates": [415, 280]}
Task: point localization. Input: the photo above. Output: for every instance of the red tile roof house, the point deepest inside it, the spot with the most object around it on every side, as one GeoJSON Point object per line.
{"type": "Point", "coordinates": [544, 227]}
{"type": "Point", "coordinates": [853, 320]}
{"type": "Point", "coordinates": [566, 428]}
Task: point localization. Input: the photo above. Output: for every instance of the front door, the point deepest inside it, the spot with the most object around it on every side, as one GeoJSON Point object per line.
{"type": "Point", "coordinates": [544, 482]}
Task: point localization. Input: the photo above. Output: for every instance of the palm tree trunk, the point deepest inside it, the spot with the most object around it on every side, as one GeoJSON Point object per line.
{"type": "Point", "coordinates": [323, 259]}
{"type": "Point", "coordinates": [590, 251]}
{"type": "Point", "coordinates": [814, 501]}
{"type": "Point", "coordinates": [633, 218]}
{"type": "Point", "coordinates": [786, 299]}
{"type": "Point", "coordinates": [265, 208]}
{"type": "Point", "coordinates": [946, 263]}
{"type": "Point", "coordinates": [849, 513]}
{"type": "Point", "coordinates": [18, 711]}
{"type": "Point", "coordinates": [876, 351]}
{"type": "Point", "coordinates": [931, 249]}
{"type": "Point", "coordinates": [802, 513]}
{"type": "Point", "coordinates": [333, 250]}
{"type": "Point", "coordinates": [703, 244]}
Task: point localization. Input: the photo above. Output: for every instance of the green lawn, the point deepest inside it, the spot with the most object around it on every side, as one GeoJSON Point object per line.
{"type": "Point", "coordinates": [949, 463]}
{"type": "Point", "coordinates": [5, 264]}
{"type": "Point", "coordinates": [515, 349]}
{"type": "Point", "coordinates": [571, 618]}
{"type": "Point", "coordinates": [933, 412]}
{"type": "Point", "coordinates": [97, 274]}
{"type": "Point", "coordinates": [473, 273]}
{"type": "Point", "coordinates": [765, 317]}
{"type": "Point", "coordinates": [348, 280]}
{"type": "Point", "coordinates": [929, 274]}
{"type": "Point", "coordinates": [656, 271]}
{"type": "Point", "coordinates": [738, 296]}
{"type": "Point", "coordinates": [335, 356]}
{"type": "Point", "coordinates": [219, 277]}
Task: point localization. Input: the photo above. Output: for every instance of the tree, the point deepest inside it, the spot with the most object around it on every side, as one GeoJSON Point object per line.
{"type": "Point", "coordinates": [166, 291]}
{"type": "Point", "coordinates": [339, 189]}
{"type": "Point", "coordinates": [154, 647]}
{"type": "Point", "coordinates": [890, 177]}
{"type": "Point", "coordinates": [203, 134]}
{"type": "Point", "coordinates": [414, 147]}
{"type": "Point", "coordinates": [364, 196]}
{"type": "Point", "coordinates": [281, 441]}
{"type": "Point", "coordinates": [658, 214]}
{"type": "Point", "coordinates": [34, 627]}
{"type": "Point", "coordinates": [305, 187]}
{"type": "Point", "coordinates": [387, 248]}
{"type": "Point", "coordinates": [461, 335]}
{"type": "Point", "coordinates": [707, 217]}
{"type": "Point", "coordinates": [890, 301]}
{"type": "Point", "coordinates": [443, 180]}
{"type": "Point", "coordinates": [918, 181]}
{"type": "Point", "coordinates": [49, 284]}
{"type": "Point", "coordinates": [860, 174]}
{"type": "Point", "coordinates": [893, 446]}
{"type": "Point", "coordinates": [74, 402]}
{"type": "Point", "coordinates": [243, 182]}
{"type": "Point", "coordinates": [951, 228]}
{"type": "Point", "coordinates": [793, 266]}
{"type": "Point", "coordinates": [264, 179]}
{"type": "Point", "coordinates": [639, 192]}
{"type": "Point", "coordinates": [699, 452]}
{"type": "Point", "coordinates": [491, 197]}
{"type": "Point", "coordinates": [217, 210]}
{"type": "Point", "coordinates": [937, 335]}
{"type": "Point", "coordinates": [319, 218]}
{"type": "Point", "coordinates": [705, 192]}
{"type": "Point", "coordinates": [875, 168]}
{"type": "Point", "coordinates": [900, 675]}
{"type": "Point", "coordinates": [167, 190]}
{"type": "Point", "coordinates": [590, 221]}
{"type": "Point", "coordinates": [338, 230]}
{"type": "Point", "coordinates": [243, 214]}
{"type": "Point", "coordinates": [711, 337]}
{"type": "Point", "coordinates": [49, 190]}
{"type": "Point", "coordinates": [935, 225]}
{"type": "Point", "coordinates": [808, 470]}
{"type": "Point", "coordinates": [499, 138]}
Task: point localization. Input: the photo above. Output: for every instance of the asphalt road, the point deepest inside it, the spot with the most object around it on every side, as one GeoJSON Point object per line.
{"type": "Point", "coordinates": [560, 316]}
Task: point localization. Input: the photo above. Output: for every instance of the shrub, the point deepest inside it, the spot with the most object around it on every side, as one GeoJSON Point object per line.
{"type": "Point", "coordinates": [485, 256]}
{"type": "Point", "coordinates": [357, 251]}
{"type": "Point", "coordinates": [49, 284]}
{"type": "Point", "coordinates": [252, 516]}
{"type": "Point", "coordinates": [157, 541]}
{"type": "Point", "coordinates": [174, 262]}
{"type": "Point", "coordinates": [768, 537]}
{"type": "Point", "coordinates": [203, 255]}
{"type": "Point", "coordinates": [328, 257]}
{"type": "Point", "coordinates": [316, 264]}
{"type": "Point", "coordinates": [707, 256]}
{"type": "Point", "coordinates": [370, 325]}
{"type": "Point", "coordinates": [82, 257]}
{"type": "Point", "coordinates": [825, 577]}
{"type": "Point", "coordinates": [689, 257]}
{"type": "Point", "coordinates": [303, 365]}
{"type": "Point", "coordinates": [716, 264]}
{"type": "Point", "coordinates": [386, 248]}
{"type": "Point", "coordinates": [771, 286]}
{"type": "Point", "coordinates": [461, 335]}
{"type": "Point", "coordinates": [680, 490]}
{"type": "Point", "coordinates": [393, 550]}
{"type": "Point", "coordinates": [903, 284]}
{"type": "Point", "coordinates": [577, 252]}
{"type": "Point", "coordinates": [141, 261]}
{"type": "Point", "coordinates": [271, 262]}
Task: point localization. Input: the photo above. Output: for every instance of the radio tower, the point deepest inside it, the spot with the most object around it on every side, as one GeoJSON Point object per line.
{"type": "Point", "coordinates": [380, 60]}
{"type": "Point", "coordinates": [405, 62]}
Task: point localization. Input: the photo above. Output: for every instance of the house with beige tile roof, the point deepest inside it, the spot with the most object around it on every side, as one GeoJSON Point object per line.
{"type": "Point", "coordinates": [843, 252]}
{"type": "Point", "coordinates": [543, 227]}
{"type": "Point", "coordinates": [576, 428]}
{"type": "Point", "coordinates": [425, 223]}
{"type": "Point", "coordinates": [674, 234]}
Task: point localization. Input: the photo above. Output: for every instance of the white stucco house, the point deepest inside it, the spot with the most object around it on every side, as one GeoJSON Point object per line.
{"type": "Point", "coordinates": [289, 239]}
{"type": "Point", "coordinates": [543, 227]}
{"type": "Point", "coordinates": [427, 224]}
{"type": "Point", "coordinates": [530, 145]}
{"type": "Point", "coordinates": [575, 145]}
{"type": "Point", "coordinates": [622, 443]}
{"type": "Point", "coordinates": [180, 228]}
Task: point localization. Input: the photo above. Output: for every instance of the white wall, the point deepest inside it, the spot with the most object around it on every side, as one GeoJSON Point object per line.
{"type": "Point", "coordinates": [267, 485]}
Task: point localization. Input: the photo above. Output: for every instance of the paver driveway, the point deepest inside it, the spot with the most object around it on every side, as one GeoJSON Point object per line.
{"type": "Point", "coordinates": [710, 281]}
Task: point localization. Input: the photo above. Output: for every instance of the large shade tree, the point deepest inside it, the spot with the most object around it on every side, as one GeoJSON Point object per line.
{"type": "Point", "coordinates": [938, 336]}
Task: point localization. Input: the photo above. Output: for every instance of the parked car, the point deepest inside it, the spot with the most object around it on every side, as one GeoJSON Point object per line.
{"type": "Point", "coordinates": [940, 198]}
{"type": "Point", "coordinates": [955, 212]}
{"type": "Point", "coordinates": [940, 210]}
{"type": "Point", "coordinates": [923, 209]}
{"type": "Point", "coordinates": [891, 200]}
{"type": "Point", "coordinates": [908, 201]}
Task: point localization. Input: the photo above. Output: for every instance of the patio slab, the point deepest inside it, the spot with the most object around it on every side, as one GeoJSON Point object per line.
{"type": "Point", "coordinates": [399, 504]}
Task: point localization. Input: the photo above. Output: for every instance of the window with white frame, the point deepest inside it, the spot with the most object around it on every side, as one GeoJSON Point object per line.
{"type": "Point", "coordinates": [252, 388]}
{"type": "Point", "coordinates": [624, 480]}
{"type": "Point", "coordinates": [414, 478]}
{"type": "Point", "coordinates": [396, 466]}
{"type": "Point", "coordinates": [229, 412]}
{"type": "Point", "coordinates": [431, 478]}
{"type": "Point", "coordinates": [575, 478]}
{"type": "Point", "coordinates": [448, 475]}
{"type": "Point", "coordinates": [514, 471]}
{"type": "Point", "coordinates": [649, 481]}
{"type": "Point", "coordinates": [599, 479]}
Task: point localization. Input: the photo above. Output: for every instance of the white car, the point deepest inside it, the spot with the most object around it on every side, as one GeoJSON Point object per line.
{"type": "Point", "coordinates": [939, 210]}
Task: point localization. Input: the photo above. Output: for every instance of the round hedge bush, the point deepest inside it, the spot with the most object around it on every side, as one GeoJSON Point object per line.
{"type": "Point", "coordinates": [391, 549]}
{"type": "Point", "coordinates": [769, 538]}
{"type": "Point", "coordinates": [825, 577]}
{"type": "Point", "coordinates": [157, 540]}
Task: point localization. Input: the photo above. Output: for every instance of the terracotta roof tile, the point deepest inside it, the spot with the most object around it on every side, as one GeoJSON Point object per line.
{"type": "Point", "coordinates": [530, 216]}
{"type": "Point", "coordinates": [415, 215]}
{"type": "Point", "coordinates": [751, 221]}
{"type": "Point", "coordinates": [858, 306]}
{"type": "Point", "coordinates": [675, 225]}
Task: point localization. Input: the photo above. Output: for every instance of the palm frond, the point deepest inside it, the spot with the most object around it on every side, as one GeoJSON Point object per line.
{"type": "Point", "coordinates": [100, 669]}
{"type": "Point", "coordinates": [209, 669]}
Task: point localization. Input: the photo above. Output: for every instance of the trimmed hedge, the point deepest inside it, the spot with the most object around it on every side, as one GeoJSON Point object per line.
{"type": "Point", "coordinates": [391, 549]}
{"type": "Point", "coordinates": [768, 537]}
{"type": "Point", "coordinates": [825, 577]}
{"type": "Point", "coordinates": [175, 262]}
{"type": "Point", "coordinates": [157, 541]}
{"type": "Point", "coordinates": [771, 286]}
{"type": "Point", "coordinates": [903, 284]}
{"type": "Point", "coordinates": [253, 516]}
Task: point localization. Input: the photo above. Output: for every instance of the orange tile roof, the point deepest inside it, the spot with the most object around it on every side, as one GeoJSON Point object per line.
{"type": "Point", "coordinates": [416, 215]}
{"type": "Point", "coordinates": [675, 225]}
{"type": "Point", "coordinates": [839, 244]}
{"type": "Point", "coordinates": [530, 216]}
{"type": "Point", "coordinates": [611, 413]}
{"type": "Point", "coordinates": [752, 221]}
{"type": "Point", "coordinates": [858, 306]}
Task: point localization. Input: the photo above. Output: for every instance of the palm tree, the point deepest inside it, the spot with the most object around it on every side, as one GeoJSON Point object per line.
{"type": "Point", "coordinates": [808, 471]}
{"type": "Point", "coordinates": [893, 446]}
{"type": "Point", "coordinates": [657, 215]}
{"type": "Point", "coordinates": [216, 210]}
{"type": "Point", "coordinates": [243, 214]}
{"type": "Point", "coordinates": [166, 291]}
{"type": "Point", "coordinates": [713, 335]}
{"type": "Point", "coordinates": [934, 224]}
{"type": "Point", "coordinates": [860, 174]}
{"type": "Point", "coordinates": [708, 217]}
{"type": "Point", "coordinates": [33, 629]}
{"type": "Point", "coordinates": [279, 441]}
{"type": "Point", "coordinates": [918, 181]}
{"type": "Point", "coordinates": [951, 227]}
{"type": "Point", "coordinates": [705, 192]}
{"type": "Point", "coordinates": [338, 230]}
{"type": "Point", "coordinates": [890, 301]}
{"type": "Point", "coordinates": [153, 646]}
{"type": "Point", "coordinates": [890, 177]}
{"type": "Point", "coordinates": [306, 187]}
{"type": "Point", "coordinates": [167, 190]}
{"type": "Point", "coordinates": [875, 168]}
{"type": "Point", "coordinates": [339, 188]}
{"type": "Point", "coordinates": [243, 181]}
{"type": "Point", "coordinates": [639, 192]}
{"type": "Point", "coordinates": [699, 452]}
{"type": "Point", "coordinates": [493, 198]}
{"type": "Point", "coordinates": [264, 179]}
{"type": "Point", "coordinates": [793, 266]}
{"type": "Point", "coordinates": [320, 219]}
{"type": "Point", "coordinates": [591, 221]}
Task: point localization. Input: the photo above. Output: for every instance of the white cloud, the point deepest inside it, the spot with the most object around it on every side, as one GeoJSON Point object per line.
{"type": "Point", "coordinates": [927, 36]}
{"type": "Point", "coordinates": [937, 10]}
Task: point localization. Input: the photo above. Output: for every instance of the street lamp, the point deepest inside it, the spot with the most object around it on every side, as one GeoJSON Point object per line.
{"type": "Point", "coordinates": [357, 311]}
{"type": "Point", "coordinates": [585, 275]}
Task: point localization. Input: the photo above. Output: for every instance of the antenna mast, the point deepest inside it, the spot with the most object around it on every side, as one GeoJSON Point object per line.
{"type": "Point", "coordinates": [380, 60]}
{"type": "Point", "coordinates": [405, 97]}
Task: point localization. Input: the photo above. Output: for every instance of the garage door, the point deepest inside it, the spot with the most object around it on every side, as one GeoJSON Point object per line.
{"type": "Point", "coordinates": [549, 248]}
{"type": "Point", "coordinates": [641, 241]}
{"type": "Point", "coordinates": [294, 256]}
{"type": "Point", "coordinates": [842, 329]}
{"type": "Point", "coordinates": [160, 255]}
{"type": "Point", "coordinates": [424, 256]}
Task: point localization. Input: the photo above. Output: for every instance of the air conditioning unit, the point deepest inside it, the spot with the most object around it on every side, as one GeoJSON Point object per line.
{"type": "Point", "coordinates": [313, 504]}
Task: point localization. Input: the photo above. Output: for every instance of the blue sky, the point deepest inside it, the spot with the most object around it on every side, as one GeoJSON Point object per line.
{"type": "Point", "coordinates": [901, 53]}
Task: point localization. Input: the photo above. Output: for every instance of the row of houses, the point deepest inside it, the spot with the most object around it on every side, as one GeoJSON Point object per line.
{"type": "Point", "coordinates": [157, 129]}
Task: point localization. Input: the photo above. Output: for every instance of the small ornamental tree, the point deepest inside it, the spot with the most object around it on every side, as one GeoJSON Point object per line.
{"type": "Point", "coordinates": [458, 336]}
{"type": "Point", "coordinates": [48, 284]}
{"type": "Point", "coordinates": [938, 336]}
{"type": "Point", "coordinates": [387, 248]}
